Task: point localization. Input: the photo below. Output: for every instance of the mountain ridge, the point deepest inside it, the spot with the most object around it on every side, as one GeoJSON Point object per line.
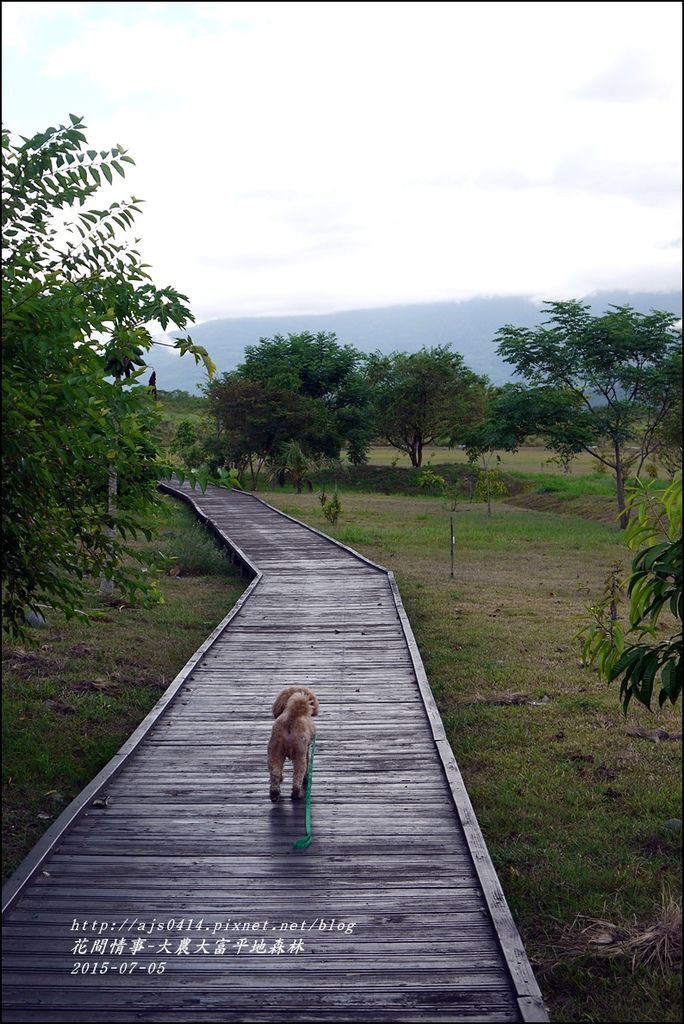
{"type": "Point", "coordinates": [470, 326]}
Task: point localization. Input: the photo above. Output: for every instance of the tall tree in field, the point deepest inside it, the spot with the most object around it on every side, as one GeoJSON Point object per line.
{"type": "Point", "coordinates": [624, 370]}
{"type": "Point", "coordinates": [316, 366]}
{"type": "Point", "coordinates": [68, 430]}
{"type": "Point", "coordinates": [423, 396]}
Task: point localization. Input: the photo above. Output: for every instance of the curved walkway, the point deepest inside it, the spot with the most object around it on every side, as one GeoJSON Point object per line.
{"type": "Point", "coordinates": [170, 891]}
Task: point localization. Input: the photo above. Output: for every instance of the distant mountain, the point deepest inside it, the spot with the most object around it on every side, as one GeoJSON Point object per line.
{"type": "Point", "coordinates": [470, 326]}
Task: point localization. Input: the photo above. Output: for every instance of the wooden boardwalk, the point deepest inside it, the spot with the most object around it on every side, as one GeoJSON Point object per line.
{"type": "Point", "coordinates": [171, 881]}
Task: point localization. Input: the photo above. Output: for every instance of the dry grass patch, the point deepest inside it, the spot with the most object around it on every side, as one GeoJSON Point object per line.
{"type": "Point", "coordinates": [655, 946]}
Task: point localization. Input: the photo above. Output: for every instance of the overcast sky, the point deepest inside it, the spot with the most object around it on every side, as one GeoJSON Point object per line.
{"type": "Point", "coordinates": [300, 158]}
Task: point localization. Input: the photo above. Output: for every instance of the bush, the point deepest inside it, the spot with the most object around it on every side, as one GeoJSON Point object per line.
{"type": "Point", "coordinates": [332, 509]}
{"type": "Point", "coordinates": [427, 480]}
{"type": "Point", "coordinates": [194, 553]}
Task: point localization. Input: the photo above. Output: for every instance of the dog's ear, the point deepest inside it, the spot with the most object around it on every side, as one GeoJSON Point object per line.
{"type": "Point", "coordinates": [313, 701]}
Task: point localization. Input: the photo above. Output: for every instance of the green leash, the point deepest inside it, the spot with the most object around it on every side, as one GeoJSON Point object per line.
{"type": "Point", "coordinates": [304, 841]}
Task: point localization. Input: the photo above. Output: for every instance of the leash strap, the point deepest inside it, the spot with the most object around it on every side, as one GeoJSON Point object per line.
{"type": "Point", "coordinates": [304, 841]}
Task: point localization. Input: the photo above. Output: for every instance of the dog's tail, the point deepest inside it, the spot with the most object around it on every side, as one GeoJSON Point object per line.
{"type": "Point", "coordinates": [284, 695]}
{"type": "Point", "coordinates": [298, 706]}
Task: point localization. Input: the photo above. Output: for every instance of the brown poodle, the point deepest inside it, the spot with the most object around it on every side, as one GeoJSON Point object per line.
{"type": "Point", "coordinates": [293, 731]}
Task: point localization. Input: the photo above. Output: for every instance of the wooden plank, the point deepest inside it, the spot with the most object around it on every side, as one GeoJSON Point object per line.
{"type": "Point", "coordinates": [161, 994]}
{"type": "Point", "coordinates": [480, 1007]}
{"type": "Point", "coordinates": [453, 969]}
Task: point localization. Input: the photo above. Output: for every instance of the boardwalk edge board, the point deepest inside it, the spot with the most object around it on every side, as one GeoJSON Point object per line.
{"type": "Point", "coordinates": [28, 868]}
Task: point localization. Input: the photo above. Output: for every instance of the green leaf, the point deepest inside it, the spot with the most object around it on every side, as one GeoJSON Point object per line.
{"type": "Point", "coordinates": [64, 421]}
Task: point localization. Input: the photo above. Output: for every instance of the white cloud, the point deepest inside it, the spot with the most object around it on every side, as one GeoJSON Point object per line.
{"type": "Point", "coordinates": [20, 21]}
{"type": "Point", "coordinates": [309, 156]}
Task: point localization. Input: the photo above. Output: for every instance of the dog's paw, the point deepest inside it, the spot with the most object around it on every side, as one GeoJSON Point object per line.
{"type": "Point", "coordinates": [275, 795]}
{"type": "Point", "coordinates": [297, 794]}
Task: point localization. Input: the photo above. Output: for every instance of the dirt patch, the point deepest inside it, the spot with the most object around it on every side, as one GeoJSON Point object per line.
{"type": "Point", "coordinates": [83, 651]}
{"type": "Point", "coordinates": [117, 681]}
{"type": "Point", "coordinates": [59, 707]}
{"type": "Point", "coordinates": [153, 682]}
{"type": "Point", "coordinates": [27, 664]}
{"type": "Point", "coordinates": [602, 773]}
{"type": "Point", "coordinates": [658, 846]}
{"type": "Point", "coordinates": [102, 684]}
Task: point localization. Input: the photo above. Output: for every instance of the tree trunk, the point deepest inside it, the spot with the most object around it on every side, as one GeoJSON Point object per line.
{"type": "Point", "coordinates": [620, 484]}
{"type": "Point", "coordinates": [107, 586]}
{"type": "Point", "coordinates": [489, 496]}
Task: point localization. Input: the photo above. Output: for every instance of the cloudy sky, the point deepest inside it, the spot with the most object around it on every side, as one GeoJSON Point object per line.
{"type": "Point", "coordinates": [313, 157]}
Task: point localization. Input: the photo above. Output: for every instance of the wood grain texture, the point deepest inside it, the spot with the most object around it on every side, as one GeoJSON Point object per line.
{"type": "Point", "coordinates": [175, 851]}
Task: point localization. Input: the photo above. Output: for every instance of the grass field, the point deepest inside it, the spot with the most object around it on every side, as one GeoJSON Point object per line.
{"type": "Point", "coordinates": [529, 483]}
{"type": "Point", "coordinates": [573, 807]}
{"type": "Point", "coordinates": [592, 497]}
{"type": "Point", "coordinates": [532, 459]}
{"type": "Point", "coordinates": [69, 703]}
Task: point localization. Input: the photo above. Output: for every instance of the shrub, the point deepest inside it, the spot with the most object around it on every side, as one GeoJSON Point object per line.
{"type": "Point", "coordinates": [332, 509]}
{"type": "Point", "coordinates": [194, 553]}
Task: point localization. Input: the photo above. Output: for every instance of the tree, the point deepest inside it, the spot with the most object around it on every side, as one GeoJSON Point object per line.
{"type": "Point", "coordinates": [129, 308]}
{"type": "Point", "coordinates": [622, 368]}
{"type": "Point", "coordinates": [316, 366]}
{"type": "Point", "coordinates": [513, 414]}
{"type": "Point", "coordinates": [654, 584]}
{"type": "Point", "coordinates": [253, 421]}
{"type": "Point", "coordinates": [423, 396]}
{"type": "Point", "coordinates": [76, 300]}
